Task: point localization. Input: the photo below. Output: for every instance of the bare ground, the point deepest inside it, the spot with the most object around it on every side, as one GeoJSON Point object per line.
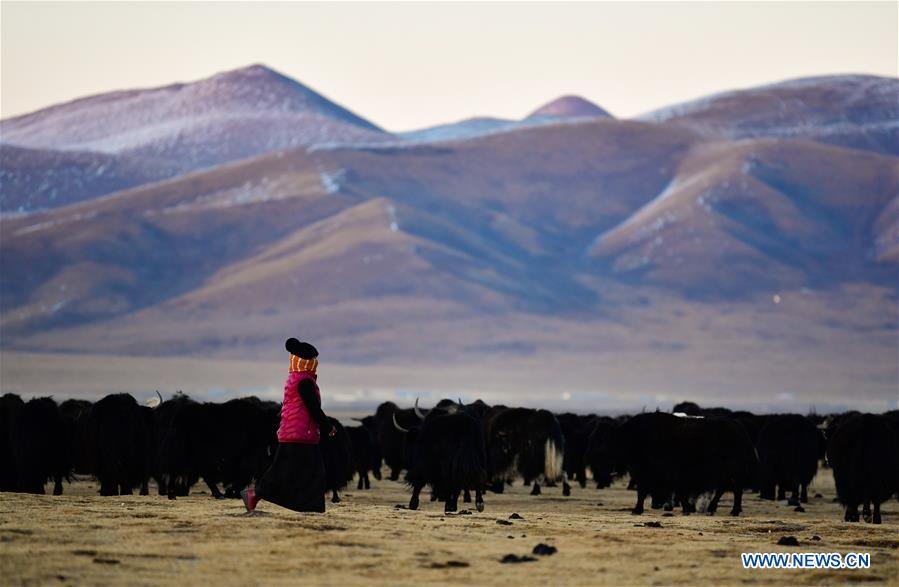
{"type": "Point", "coordinates": [85, 539]}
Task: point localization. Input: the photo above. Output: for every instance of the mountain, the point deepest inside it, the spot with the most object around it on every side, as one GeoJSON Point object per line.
{"type": "Point", "coordinates": [111, 256]}
{"type": "Point", "coordinates": [228, 116]}
{"type": "Point", "coordinates": [569, 107]}
{"type": "Point", "coordinates": [546, 223]}
{"type": "Point", "coordinates": [184, 127]}
{"type": "Point", "coordinates": [855, 111]}
{"type": "Point", "coordinates": [644, 246]}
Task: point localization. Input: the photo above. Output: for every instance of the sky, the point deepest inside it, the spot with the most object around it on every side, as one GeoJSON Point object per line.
{"type": "Point", "coordinates": [411, 65]}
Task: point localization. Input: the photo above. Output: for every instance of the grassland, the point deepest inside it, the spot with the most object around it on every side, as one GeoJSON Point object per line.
{"type": "Point", "coordinates": [80, 538]}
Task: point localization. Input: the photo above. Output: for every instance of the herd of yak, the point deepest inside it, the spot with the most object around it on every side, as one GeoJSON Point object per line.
{"type": "Point", "coordinates": [684, 459]}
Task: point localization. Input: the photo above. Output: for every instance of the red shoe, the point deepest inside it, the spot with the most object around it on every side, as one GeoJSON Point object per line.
{"type": "Point", "coordinates": [249, 498]}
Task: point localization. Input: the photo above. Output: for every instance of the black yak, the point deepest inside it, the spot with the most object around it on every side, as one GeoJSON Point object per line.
{"type": "Point", "coordinates": [446, 451]}
{"type": "Point", "coordinates": [392, 441]}
{"type": "Point", "coordinates": [118, 444]}
{"type": "Point", "coordinates": [163, 418]}
{"type": "Point", "coordinates": [576, 430]}
{"type": "Point", "coordinates": [75, 413]}
{"type": "Point", "coordinates": [40, 446]}
{"type": "Point", "coordinates": [787, 446]}
{"type": "Point", "coordinates": [593, 453]}
{"type": "Point", "coordinates": [228, 443]}
{"type": "Point", "coordinates": [10, 405]}
{"type": "Point", "coordinates": [337, 455]}
{"type": "Point", "coordinates": [366, 455]}
{"type": "Point", "coordinates": [682, 457]}
{"type": "Point", "coordinates": [525, 442]}
{"type": "Point", "coordinates": [864, 454]}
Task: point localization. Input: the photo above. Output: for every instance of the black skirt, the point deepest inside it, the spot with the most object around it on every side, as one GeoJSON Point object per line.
{"type": "Point", "coordinates": [296, 479]}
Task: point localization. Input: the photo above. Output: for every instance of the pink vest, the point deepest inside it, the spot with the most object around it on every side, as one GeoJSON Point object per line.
{"type": "Point", "coordinates": [296, 423]}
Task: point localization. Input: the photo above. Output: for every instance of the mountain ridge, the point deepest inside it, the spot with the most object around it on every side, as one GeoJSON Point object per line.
{"type": "Point", "coordinates": [573, 237]}
{"type": "Point", "coordinates": [289, 114]}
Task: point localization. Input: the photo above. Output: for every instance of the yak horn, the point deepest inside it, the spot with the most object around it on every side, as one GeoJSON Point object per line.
{"type": "Point", "coordinates": [152, 403]}
{"type": "Point", "coordinates": [417, 411]}
{"type": "Point", "coordinates": [398, 427]}
{"type": "Point", "coordinates": [459, 399]}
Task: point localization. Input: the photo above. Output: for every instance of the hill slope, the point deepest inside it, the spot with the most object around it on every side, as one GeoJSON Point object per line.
{"type": "Point", "coordinates": [855, 111]}
{"type": "Point", "coordinates": [184, 127]}
{"type": "Point", "coordinates": [760, 213]}
{"type": "Point", "coordinates": [31, 179]}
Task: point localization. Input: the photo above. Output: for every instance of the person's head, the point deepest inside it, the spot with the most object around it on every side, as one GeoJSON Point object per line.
{"type": "Point", "coordinates": [303, 356]}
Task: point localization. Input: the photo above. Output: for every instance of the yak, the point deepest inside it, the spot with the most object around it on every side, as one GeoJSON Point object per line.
{"type": "Point", "coordinates": [525, 442]}
{"type": "Point", "coordinates": [227, 443]}
{"type": "Point", "coordinates": [366, 455]}
{"type": "Point", "coordinates": [446, 451]}
{"type": "Point", "coordinates": [10, 406]}
{"type": "Point", "coordinates": [40, 446]}
{"type": "Point", "coordinates": [391, 439]}
{"type": "Point", "coordinates": [681, 457]}
{"type": "Point", "coordinates": [74, 413]}
{"type": "Point", "coordinates": [118, 444]}
{"type": "Point", "coordinates": [163, 418]}
{"type": "Point", "coordinates": [787, 446]}
{"type": "Point", "coordinates": [337, 454]}
{"type": "Point", "coordinates": [864, 454]}
{"type": "Point", "coordinates": [593, 452]}
{"type": "Point", "coordinates": [576, 430]}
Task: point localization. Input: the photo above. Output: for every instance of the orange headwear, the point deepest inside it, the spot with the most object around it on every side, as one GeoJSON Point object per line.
{"type": "Point", "coordinates": [298, 365]}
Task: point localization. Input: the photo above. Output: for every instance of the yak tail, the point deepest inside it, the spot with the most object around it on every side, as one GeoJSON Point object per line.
{"type": "Point", "coordinates": [552, 460]}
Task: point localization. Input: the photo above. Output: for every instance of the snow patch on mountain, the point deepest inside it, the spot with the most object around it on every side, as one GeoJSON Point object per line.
{"type": "Point", "coordinates": [331, 181]}
{"type": "Point", "coordinates": [391, 214]}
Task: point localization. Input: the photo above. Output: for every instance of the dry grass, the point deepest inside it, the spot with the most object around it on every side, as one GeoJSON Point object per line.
{"type": "Point", "coordinates": [81, 538]}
